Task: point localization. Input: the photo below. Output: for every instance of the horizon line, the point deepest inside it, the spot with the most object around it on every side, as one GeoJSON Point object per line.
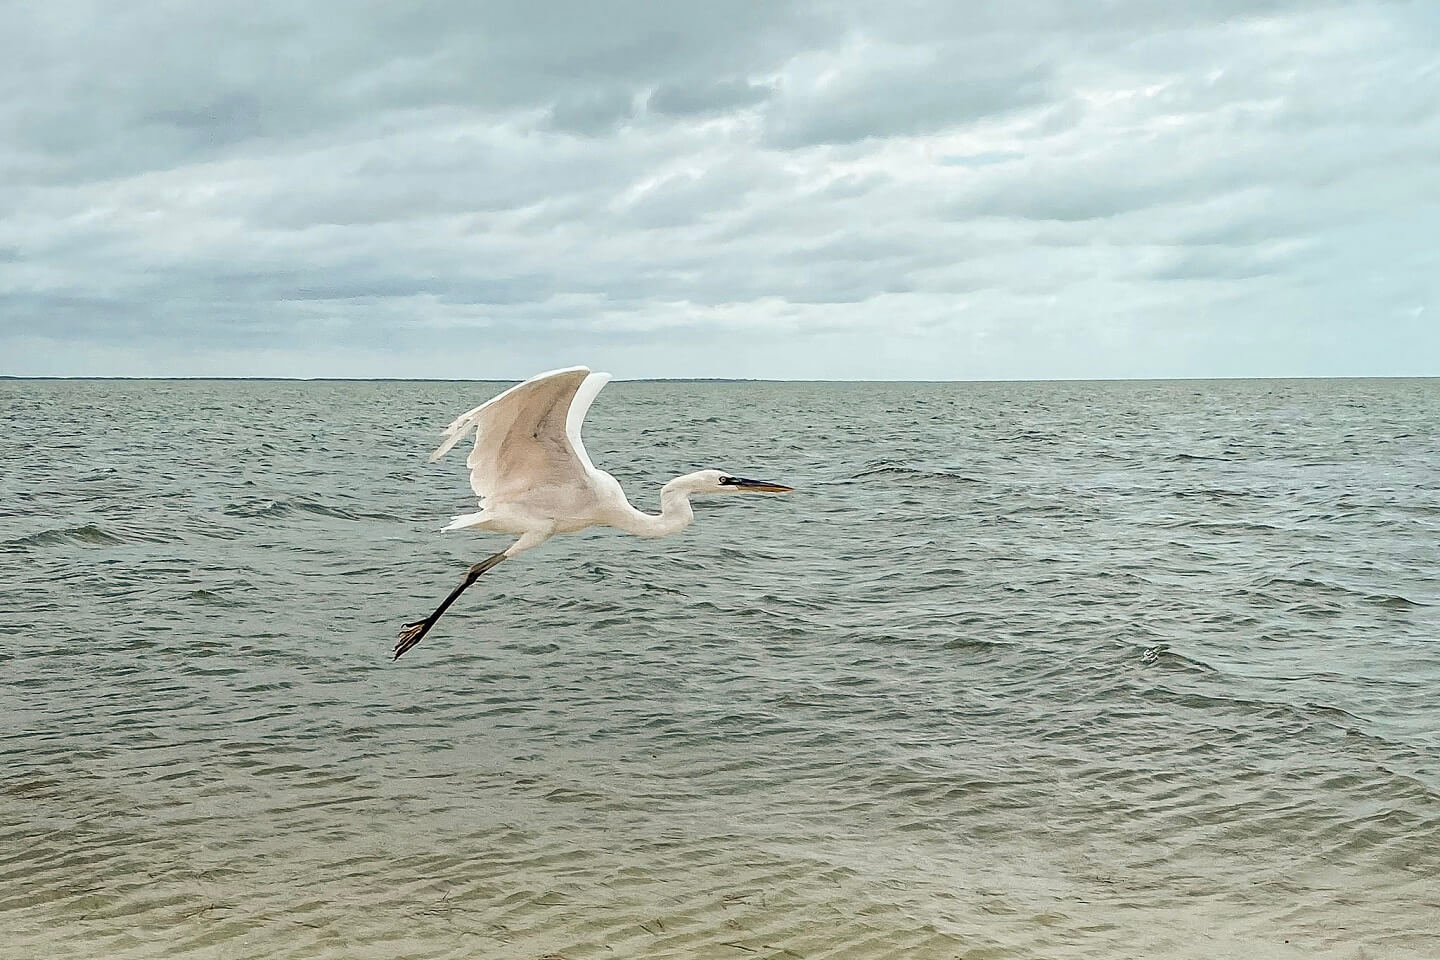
{"type": "Point", "coordinates": [1137, 379]}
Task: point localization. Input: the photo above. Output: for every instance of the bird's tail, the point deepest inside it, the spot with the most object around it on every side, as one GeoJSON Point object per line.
{"type": "Point", "coordinates": [465, 521]}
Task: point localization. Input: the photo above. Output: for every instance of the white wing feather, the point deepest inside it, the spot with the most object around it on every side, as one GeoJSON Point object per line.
{"type": "Point", "coordinates": [528, 436]}
{"type": "Point", "coordinates": [580, 406]}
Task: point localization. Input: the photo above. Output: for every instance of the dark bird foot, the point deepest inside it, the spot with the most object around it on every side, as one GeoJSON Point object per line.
{"type": "Point", "coordinates": [416, 629]}
{"type": "Point", "coordinates": [410, 636]}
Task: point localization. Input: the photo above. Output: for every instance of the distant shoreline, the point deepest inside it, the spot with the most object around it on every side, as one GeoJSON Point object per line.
{"type": "Point", "coordinates": [1422, 376]}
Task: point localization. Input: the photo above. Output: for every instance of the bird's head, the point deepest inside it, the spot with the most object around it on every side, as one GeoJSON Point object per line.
{"type": "Point", "coordinates": [718, 481]}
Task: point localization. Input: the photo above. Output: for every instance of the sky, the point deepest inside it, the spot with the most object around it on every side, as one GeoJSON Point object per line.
{"type": "Point", "coordinates": [915, 189]}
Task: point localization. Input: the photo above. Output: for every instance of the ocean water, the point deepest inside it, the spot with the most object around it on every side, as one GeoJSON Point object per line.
{"type": "Point", "coordinates": [1043, 670]}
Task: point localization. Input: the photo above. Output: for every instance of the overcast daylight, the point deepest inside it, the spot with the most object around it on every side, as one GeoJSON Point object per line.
{"type": "Point", "coordinates": [914, 190]}
{"type": "Point", "coordinates": [704, 481]}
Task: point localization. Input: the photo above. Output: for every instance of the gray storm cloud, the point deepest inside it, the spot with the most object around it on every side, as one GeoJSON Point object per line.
{"type": "Point", "coordinates": [915, 190]}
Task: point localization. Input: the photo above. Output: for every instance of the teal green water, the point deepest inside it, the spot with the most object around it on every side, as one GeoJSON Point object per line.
{"type": "Point", "coordinates": [1020, 671]}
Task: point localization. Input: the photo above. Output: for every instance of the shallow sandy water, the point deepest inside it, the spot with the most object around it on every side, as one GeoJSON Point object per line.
{"type": "Point", "coordinates": [1021, 671]}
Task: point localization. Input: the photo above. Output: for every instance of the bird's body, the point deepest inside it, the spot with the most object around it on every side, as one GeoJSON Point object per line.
{"type": "Point", "coordinates": [534, 479]}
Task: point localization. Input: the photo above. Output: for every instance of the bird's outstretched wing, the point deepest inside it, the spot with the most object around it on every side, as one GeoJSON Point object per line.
{"type": "Point", "coordinates": [529, 435]}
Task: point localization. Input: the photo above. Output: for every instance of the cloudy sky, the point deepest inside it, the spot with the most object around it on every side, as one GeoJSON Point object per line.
{"type": "Point", "coordinates": [911, 189]}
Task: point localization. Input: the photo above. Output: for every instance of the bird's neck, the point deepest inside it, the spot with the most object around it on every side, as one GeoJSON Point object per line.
{"type": "Point", "coordinates": [675, 514]}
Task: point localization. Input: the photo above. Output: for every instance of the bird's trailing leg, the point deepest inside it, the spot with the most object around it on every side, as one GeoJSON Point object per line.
{"type": "Point", "coordinates": [413, 632]}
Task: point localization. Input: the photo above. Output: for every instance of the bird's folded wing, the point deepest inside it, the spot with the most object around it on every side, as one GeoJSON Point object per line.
{"type": "Point", "coordinates": [521, 440]}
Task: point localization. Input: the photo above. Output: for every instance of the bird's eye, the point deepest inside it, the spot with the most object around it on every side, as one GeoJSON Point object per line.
{"type": "Point", "coordinates": [725, 480]}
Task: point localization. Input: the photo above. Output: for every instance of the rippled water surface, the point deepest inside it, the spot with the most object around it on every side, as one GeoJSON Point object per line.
{"type": "Point", "coordinates": [1109, 670]}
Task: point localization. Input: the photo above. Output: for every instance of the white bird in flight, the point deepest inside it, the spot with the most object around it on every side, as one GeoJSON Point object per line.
{"type": "Point", "coordinates": [534, 478]}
